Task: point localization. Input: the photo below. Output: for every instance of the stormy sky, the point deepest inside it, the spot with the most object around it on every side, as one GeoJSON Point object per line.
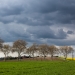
{"type": "Point", "coordinates": [40, 21]}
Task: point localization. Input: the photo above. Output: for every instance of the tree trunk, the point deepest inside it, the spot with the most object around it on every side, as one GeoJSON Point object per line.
{"type": "Point", "coordinates": [5, 58]}
{"type": "Point", "coordinates": [52, 57]}
{"type": "Point", "coordinates": [44, 57]}
{"type": "Point", "coordinates": [66, 56]}
{"type": "Point", "coordinates": [72, 55]}
{"type": "Point", "coordinates": [41, 58]}
{"type": "Point", "coordinates": [19, 56]}
{"type": "Point", "coordinates": [33, 55]}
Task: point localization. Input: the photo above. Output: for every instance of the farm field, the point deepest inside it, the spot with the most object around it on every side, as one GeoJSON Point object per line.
{"type": "Point", "coordinates": [37, 68]}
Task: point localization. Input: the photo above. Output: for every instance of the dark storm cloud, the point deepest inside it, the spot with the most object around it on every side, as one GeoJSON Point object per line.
{"type": "Point", "coordinates": [8, 7]}
{"type": "Point", "coordinates": [65, 10]}
{"type": "Point", "coordinates": [32, 20]}
{"type": "Point", "coordinates": [46, 32]}
{"type": "Point", "coordinates": [61, 34]}
{"type": "Point", "coordinates": [70, 32]}
{"type": "Point", "coordinates": [7, 19]}
{"type": "Point", "coordinates": [41, 32]}
{"type": "Point", "coordinates": [11, 11]}
{"type": "Point", "coordinates": [41, 12]}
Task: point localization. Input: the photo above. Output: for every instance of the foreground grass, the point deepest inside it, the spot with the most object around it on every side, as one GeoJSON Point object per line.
{"type": "Point", "coordinates": [37, 68]}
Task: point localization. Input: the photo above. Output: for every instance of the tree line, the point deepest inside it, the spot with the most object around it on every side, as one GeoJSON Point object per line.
{"type": "Point", "coordinates": [20, 46]}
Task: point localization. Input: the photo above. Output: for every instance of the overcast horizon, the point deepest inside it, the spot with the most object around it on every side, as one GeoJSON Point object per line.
{"type": "Point", "coordinates": [40, 21]}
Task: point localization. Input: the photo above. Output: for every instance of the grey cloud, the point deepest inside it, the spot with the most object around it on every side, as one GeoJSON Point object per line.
{"type": "Point", "coordinates": [70, 32]}
{"type": "Point", "coordinates": [41, 12]}
{"type": "Point", "coordinates": [38, 34]}
{"type": "Point", "coordinates": [31, 20]}
{"type": "Point", "coordinates": [46, 32]}
{"type": "Point", "coordinates": [35, 19]}
{"type": "Point", "coordinates": [12, 32]}
{"type": "Point", "coordinates": [61, 34]}
{"type": "Point", "coordinates": [41, 31]}
{"type": "Point", "coordinates": [7, 19]}
{"type": "Point", "coordinates": [63, 42]}
{"type": "Point", "coordinates": [11, 10]}
{"type": "Point", "coordinates": [65, 10]}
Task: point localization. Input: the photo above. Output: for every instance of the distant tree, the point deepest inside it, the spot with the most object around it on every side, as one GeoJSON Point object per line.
{"type": "Point", "coordinates": [52, 50]}
{"type": "Point", "coordinates": [72, 51]}
{"type": "Point", "coordinates": [32, 49]}
{"type": "Point", "coordinates": [19, 46]}
{"type": "Point", "coordinates": [5, 50]}
{"type": "Point", "coordinates": [43, 49]}
{"type": "Point", "coordinates": [65, 50]}
{"type": "Point", "coordinates": [28, 51]}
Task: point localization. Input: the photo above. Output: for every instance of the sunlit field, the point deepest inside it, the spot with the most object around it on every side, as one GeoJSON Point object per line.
{"type": "Point", "coordinates": [37, 68]}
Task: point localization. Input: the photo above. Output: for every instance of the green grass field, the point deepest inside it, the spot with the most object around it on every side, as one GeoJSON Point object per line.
{"type": "Point", "coordinates": [37, 68]}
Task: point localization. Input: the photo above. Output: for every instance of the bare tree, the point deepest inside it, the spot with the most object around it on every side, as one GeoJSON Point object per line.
{"type": "Point", "coordinates": [5, 50]}
{"type": "Point", "coordinates": [28, 51]}
{"type": "Point", "coordinates": [32, 49]}
{"type": "Point", "coordinates": [52, 50]}
{"type": "Point", "coordinates": [43, 49]}
{"type": "Point", "coordinates": [72, 51]}
{"type": "Point", "coordinates": [65, 50]}
{"type": "Point", "coordinates": [19, 46]}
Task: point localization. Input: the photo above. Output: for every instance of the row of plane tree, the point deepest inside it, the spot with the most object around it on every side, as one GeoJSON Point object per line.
{"type": "Point", "coordinates": [20, 46]}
